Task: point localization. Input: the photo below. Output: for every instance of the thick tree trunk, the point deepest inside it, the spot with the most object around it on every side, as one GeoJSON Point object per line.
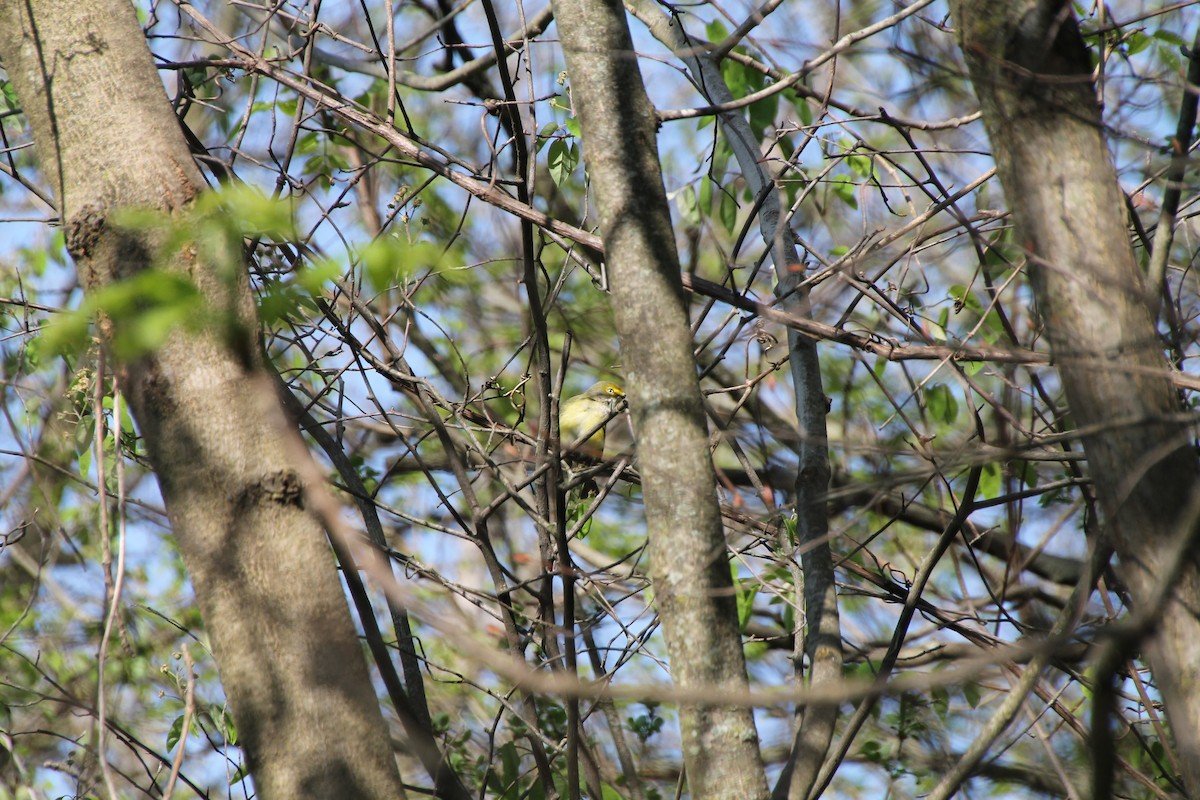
{"type": "Point", "coordinates": [818, 631]}
{"type": "Point", "coordinates": [261, 568]}
{"type": "Point", "coordinates": [1032, 74]}
{"type": "Point", "coordinates": [689, 566]}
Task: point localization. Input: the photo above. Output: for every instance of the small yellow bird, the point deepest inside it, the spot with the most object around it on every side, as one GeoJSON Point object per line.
{"type": "Point", "coordinates": [584, 413]}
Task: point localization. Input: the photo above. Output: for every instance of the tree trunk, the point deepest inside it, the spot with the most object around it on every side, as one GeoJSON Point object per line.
{"type": "Point", "coordinates": [689, 567]}
{"type": "Point", "coordinates": [260, 565]}
{"type": "Point", "coordinates": [818, 629]}
{"type": "Point", "coordinates": [1033, 76]}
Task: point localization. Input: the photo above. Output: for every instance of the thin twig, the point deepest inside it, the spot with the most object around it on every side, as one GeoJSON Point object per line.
{"type": "Point", "coordinates": [112, 584]}
{"type": "Point", "coordinates": [1181, 145]}
{"type": "Point", "coordinates": [189, 709]}
{"type": "Point", "coordinates": [839, 47]}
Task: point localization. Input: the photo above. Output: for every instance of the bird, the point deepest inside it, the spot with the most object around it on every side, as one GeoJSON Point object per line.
{"type": "Point", "coordinates": [586, 415]}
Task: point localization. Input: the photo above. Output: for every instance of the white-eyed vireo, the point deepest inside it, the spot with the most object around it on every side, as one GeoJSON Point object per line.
{"type": "Point", "coordinates": [584, 413]}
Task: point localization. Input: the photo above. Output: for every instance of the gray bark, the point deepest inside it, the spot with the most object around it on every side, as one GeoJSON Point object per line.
{"type": "Point", "coordinates": [1032, 74]}
{"type": "Point", "coordinates": [261, 567]}
{"type": "Point", "coordinates": [818, 633]}
{"type": "Point", "coordinates": [689, 567]}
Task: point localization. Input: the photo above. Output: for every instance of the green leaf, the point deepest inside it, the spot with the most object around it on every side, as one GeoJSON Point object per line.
{"type": "Point", "coordinates": [386, 263]}
{"type": "Point", "coordinates": [175, 733]}
{"type": "Point", "coordinates": [9, 96]}
{"type": "Point", "coordinates": [324, 165]}
{"type": "Point", "coordinates": [149, 330]}
{"type": "Point", "coordinates": [763, 113]}
{"type": "Point", "coordinates": [510, 763]}
{"type": "Point", "coordinates": [754, 651]}
{"type": "Point", "coordinates": [1027, 472]}
{"type": "Point", "coordinates": [737, 77]}
{"type": "Point", "coordinates": [990, 479]}
{"type": "Point", "coordinates": [706, 195]}
{"type": "Point", "coordinates": [861, 165]}
{"type": "Point", "coordinates": [307, 144]}
{"type": "Point", "coordinates": [958, 293]}
{"type": "Point", "coordinates": [277, 301]}
{"type": "Point", "coordinates": [250, 211]}
{"type": "Point", "coordinates": [789, 617]}
{"type": "Point", "coordinates": [716, 32]}
{"type": "Point", "coordinates": [803, 110]}
{"type": "Point", "coordinates": [846, 191]}
{"type": "Point", "coordinates": [313, 277]}
{"type": "Point", "coordinates": [1170, 37]}
{"type": "Point", "coordinates": [561, 159]}
{"type": "Point", "coordinates": [941, 403]}
{"type": "Point", "coordinates": [745, 592]}
{"type": "Point", "coordinates": [226, 725]}
{"type": "Point", "coordinates": [937, 330]}
{"type": "Point", "coordinates": [64, 334]}
{"type": "Point", "coordinates": [1136, 42]}
{"type": "Point", "coordinates": [689, 209]}
{"type": "Point", "coordinates": [941, 702]}
{"type": "Point", "coordinates": [144, 309]}
{"type": "Point", "coordinates": [126, 421]}
{"type": "Point", "coordinates": [791, 526]}
{"type": "Point", "coordinates": [972, 694]}
{"type": "Point", "coordinates": [727, 212]}
{"type": "Point", "coordinates": [545, 135]}
{"type": "Point", "coordinates": [84, 461]}
{"type": "Point", "coordinates": [646, 725]}
{"type": "Point", "coordinates": [389, 262]}
{"type": "Point", "coordinates": [720, 159]}
{"type": "Point", "coordinates": [196, 76]}
{"type": "Point", "coordinates": [1004, 253]}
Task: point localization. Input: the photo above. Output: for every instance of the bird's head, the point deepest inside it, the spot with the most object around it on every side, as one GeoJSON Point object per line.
{"type": "Point", "coordinates": [606, 392]}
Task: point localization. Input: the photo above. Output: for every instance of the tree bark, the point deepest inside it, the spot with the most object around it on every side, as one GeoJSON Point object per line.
{"type": "Point", "coordinates": [818, 629]}
{"type": "Point", "coordinates": [689, 567]}
{"type": "Point", "coordinates": [1033, 76]}
{"type": "Point", "coordinates": [260, 565]}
